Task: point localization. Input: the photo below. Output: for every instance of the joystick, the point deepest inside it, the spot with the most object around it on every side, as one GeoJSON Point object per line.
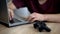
{"type": "Point", "coordinates": [40, 25]}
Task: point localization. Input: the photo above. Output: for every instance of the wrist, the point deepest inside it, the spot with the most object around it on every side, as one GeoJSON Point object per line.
{"type": "Point", "coordinates": [45, 17]}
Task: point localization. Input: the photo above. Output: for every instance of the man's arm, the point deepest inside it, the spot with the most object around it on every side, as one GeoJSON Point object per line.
{"type": "Point", "coordinates": [53, 17]}
{"type": "Point", "coordinates": [44, 17]}
{"type": "Point", "coordinates": [11, 9]}
{"type": "Point", "coordinates": [11, 6]}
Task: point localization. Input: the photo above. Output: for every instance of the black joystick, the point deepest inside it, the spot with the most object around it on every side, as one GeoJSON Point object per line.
{"type": "Point", "coordinates": [40, 25]}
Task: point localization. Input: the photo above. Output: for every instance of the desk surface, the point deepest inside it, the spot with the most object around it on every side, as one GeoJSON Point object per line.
{"type": "Point", "coordinates": [28, 29]}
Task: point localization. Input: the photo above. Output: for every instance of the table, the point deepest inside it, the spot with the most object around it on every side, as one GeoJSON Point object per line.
{"type": "Point", "coordinates": [28, 29]}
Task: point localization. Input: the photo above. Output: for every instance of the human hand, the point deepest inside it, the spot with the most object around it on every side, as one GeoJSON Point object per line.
{"type": "Point", "coordinates": [11, 14]}
{"type": "Point", "coordinates": [36, 16]}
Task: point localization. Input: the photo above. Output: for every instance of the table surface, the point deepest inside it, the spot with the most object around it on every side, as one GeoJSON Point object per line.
{"type": "Point", "coordinates": [28, 29]}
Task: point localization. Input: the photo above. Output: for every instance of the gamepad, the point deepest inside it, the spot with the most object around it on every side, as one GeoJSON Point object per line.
{"type": "Point", "coordinates": [40, 25]}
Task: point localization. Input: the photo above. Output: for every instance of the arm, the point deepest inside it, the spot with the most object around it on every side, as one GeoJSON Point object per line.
{"type": "Point", "coordinates": [11, 8]}
{"type": "Point", "coordinates": [53, 17]}
{"type": "Point", "coordinates": [44, 17]}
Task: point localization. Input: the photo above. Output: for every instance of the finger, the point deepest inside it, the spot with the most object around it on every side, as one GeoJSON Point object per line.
{"type": "Point", "coordinates": [31, 17]}
{"type": "Point", "coordinates": [10, 16]}
{"type": "Point", "coordinates": [33, 20]}
{"type": "Point", "coordinates": [28, 18]}
{"type": "Point", "coordinates": [12, 13]}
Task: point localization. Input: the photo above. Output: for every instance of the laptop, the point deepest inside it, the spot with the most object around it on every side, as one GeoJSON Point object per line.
{"type": "Point", "coordinates": [19, 14]}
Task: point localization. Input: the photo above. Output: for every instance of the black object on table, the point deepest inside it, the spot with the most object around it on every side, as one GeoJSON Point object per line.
{"type": "Point", "coordinates": [40, 25]}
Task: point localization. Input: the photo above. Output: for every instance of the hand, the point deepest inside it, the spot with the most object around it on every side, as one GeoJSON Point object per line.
{"type": "Point", "coordinates": [36, 16]}
{"type": "Point", "coordinates": [11, 14]}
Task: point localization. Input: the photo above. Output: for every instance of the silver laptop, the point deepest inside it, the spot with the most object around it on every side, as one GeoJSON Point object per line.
{"type": "Point", "coordinates": [19, 14]}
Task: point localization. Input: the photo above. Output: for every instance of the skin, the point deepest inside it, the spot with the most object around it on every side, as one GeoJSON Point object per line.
{"type": "Point", "coordinates": [11, 8]}
{"type": "Point", "coordinates": [41, 17]}
{"type": "Point", "coordinates": [44, 17]}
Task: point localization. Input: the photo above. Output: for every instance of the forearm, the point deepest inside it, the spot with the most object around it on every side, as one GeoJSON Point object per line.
{"type": "Point", "coordinates": [53, 17]}
{"type": "Point", "coordinates": [11, 9]}
{"type": "Point", "coordinates": [11, 6]}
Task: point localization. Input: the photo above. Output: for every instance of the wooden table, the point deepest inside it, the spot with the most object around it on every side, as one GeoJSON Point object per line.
{"type": "Point", "coordinates": [28, 29]}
